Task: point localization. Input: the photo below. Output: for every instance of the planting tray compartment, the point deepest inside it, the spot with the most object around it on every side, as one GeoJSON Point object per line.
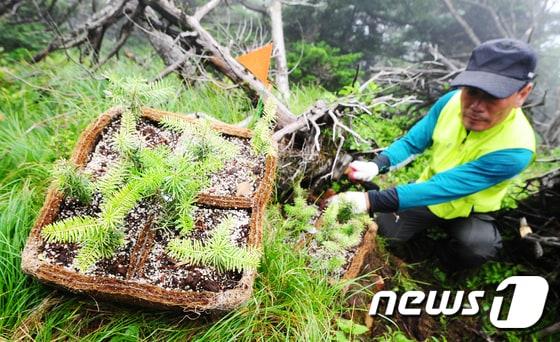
{"type": "Point", "coordinates": [359, 259]}
{"type": "Point", "coordinates": [131, 282]}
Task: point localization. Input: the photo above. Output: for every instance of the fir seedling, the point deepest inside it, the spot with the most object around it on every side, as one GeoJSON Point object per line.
{"type": "Point", "coordinates": [135, 92]}
{"type": "Point", "coordinates": [219, 251]}
{"type": "Point", "coordinates": [261, 141]}
{"type": "Point", "coordinates": [345, 212]}
{"type": "Point", "coordinates": [72, 181]}
{"type": "Point", "coordinates": [207, 145]}
{"type": "Point", "coordinates": [340, 230]}
{"type": "Point", "coordinates": [111, 181]}
{"type": "Point", "coordinates": [102, 245]}
{"type": "Point", "coordinates": [132, 93]}
{"type": "Point", "coordinates": [201, 143]}
{"type": "Point", "coordinates": [126, 140]}
{"type": "Point", "coordinates": [300, 214]}
{"type": "Point", "coordinates": [101, 237]}
{"type": "Point", "coordinates": [335, 263]}
{"type": "Point", "coordinates": [185, 221]}
{"type": "Point", "coordinates": [97, 239]}
{"type": "Point", "coordinates": [72, 230]}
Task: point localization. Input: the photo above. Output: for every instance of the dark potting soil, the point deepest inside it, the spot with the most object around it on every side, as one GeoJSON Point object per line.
{"type": "Point", "coordinates": [64, 254]}
{"type": "Point", "coordinates": [321, 253]}
{"type": "Point", "coordinates": [239, 176]}
{"type": "Point", "coordinates": [168, 273]}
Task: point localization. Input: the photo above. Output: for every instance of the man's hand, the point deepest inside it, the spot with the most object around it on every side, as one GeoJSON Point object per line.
{"type": "Point", "coordinates": [358, 200]}
{"type": "Point", "coordinates": [362, 171]}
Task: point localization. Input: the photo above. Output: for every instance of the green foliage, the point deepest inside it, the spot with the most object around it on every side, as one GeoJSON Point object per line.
{"type": "Point", "coordinates": [290, 300]}
{"type": "Point", "coordinates": [342, 234]}
{"type": "Point", "coordinates": [304, 96]}
{"type": "Point", "coordinates": [98, 239]}
{"type": "Point", "coordinates": [17, 39]}
{"type": "Point", "coordinates": [402, 281]}
{"type": "Point", "coordinates": [135, 92]}
{"type": "Point", "coordinates": [72, 230]}
{"type": "Point", "coordinates": [101, 237]}
{"type": "Point", "coordinates": [201, 151]}
{"type": "Point", "coordinates": [381, 127]}
{"type": "Point", "coordinates": [300, 213]}
{"type": "Point", "coordinates": [72, 182]}
{"type": "Point", "coordinates": [394, 336]}
{"type": "Point", "coordinates": [179, 175]}
{"type": "Point", "coordinates": [102, 244]}
{"type": "Point", "coordinates": [219, 251]}
{"type": "Point", "coordinates": [126, 140]}
{"type": "Point", "coordinates": [321, 63]}
{"type": "Point", "coordinates": [340, 229]}
{"type": "Point", "coordinates": [115, 177]}
{"type": "Point", "coordinates": [492, 273]}
{"type": "Point", "coordinates": [115, 208]}
{"type": "Point", "coordinates": [350, 327]}
{"type": "Point", "coordinates": [201, 142]}
{"type": "Point", "coordinates": [345, 212]}
{"type": "Point", "coordinates": [261, 141]}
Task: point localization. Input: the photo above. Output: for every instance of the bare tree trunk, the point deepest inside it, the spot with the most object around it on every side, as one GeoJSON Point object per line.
{"type": "Point", "coordinates": [277, 26]}
{"type": "Point", "coordinates": [7, 6]}
{"type": "Point", "coordinates": [468, 29]}
{"type": "Point", "coordinates": [110, 14]}
{"type": "Point", "coordinates": [495, 17]}
{"type": "Point", "coordinates": [221, 58]}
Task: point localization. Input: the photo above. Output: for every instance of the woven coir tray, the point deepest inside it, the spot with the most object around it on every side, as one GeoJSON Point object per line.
{"type": "Point", "coordinates": [359, 259]}
{"type": "Point", "coordinates": [134, 278]}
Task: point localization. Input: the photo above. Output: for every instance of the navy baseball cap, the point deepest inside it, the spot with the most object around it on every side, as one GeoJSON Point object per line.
{"type": "Point", "coordinates": [499, 67]}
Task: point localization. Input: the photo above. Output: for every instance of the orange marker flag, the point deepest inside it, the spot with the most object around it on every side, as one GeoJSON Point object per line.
{"type": "Point", "coordinates": [258, 62]}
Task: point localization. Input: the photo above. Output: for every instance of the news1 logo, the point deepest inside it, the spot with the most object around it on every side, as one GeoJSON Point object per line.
{"type": "Point", "coordinates": [526, 307]}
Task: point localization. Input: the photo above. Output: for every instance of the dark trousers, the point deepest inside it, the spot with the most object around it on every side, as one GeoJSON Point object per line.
{"type": "Point", "coordinates": [471, 241]}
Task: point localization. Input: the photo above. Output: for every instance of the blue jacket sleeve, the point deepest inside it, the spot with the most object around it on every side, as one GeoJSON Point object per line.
{"type": "Point", "coordinates": [465, 179]}
{"type": "Point", "coordinates": [418, 138]}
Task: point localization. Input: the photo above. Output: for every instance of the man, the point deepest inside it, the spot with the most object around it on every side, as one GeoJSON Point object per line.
{"type": "Point", "coordinates": [479, 139]}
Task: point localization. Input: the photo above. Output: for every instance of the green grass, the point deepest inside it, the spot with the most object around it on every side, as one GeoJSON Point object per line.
{"type": "Point", "coordinates": [46, 107]}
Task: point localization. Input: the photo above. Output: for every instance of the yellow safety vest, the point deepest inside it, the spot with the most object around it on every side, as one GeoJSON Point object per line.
{"type": "Point", "coordinates": [451, 147]}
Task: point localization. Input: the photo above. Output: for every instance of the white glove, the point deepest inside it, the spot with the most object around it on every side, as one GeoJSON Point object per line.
{"type": "Point", "coordinates": [359, 201]}
{"type": "Point", "coordinates": [362, 170]}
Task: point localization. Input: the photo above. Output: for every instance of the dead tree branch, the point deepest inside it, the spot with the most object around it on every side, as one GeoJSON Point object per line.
{"type": "Point", "coordinates": [220, 58]}
{"type": "Point", "coordinates": [107, 16]}
{"type": "Point", "coordinates": [205, 9]}
{"type": "Point", "coordinates": [277, 28]}
{"type": "Point", "coordinates": [124, 34]}
{"type": "Point", "coordinates": [468, 29]}
{"type": "Point", "coordinates": [554, 328]}
{"type": "Point", "coordinates": [495, 17]}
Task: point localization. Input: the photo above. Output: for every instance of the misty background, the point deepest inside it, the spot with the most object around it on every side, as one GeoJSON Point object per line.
{"type": "Point", "coordinates": [335, 43]}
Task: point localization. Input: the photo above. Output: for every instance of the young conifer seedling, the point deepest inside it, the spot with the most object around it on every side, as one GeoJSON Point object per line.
{"type": "Point", "coordinates": [261, 141]}
{"type": "Point", "coordinates": [340, 230]}
{"type": "Point", "coordinates": [219, 251]}
{"type": "Point", "coordinates": [72, 182]}
{"type": "Point", "coordinates": [300, 214]}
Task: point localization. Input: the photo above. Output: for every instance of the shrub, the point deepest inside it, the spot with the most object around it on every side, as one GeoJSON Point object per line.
{"type": "Point", "coordinates": [320, 63]}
